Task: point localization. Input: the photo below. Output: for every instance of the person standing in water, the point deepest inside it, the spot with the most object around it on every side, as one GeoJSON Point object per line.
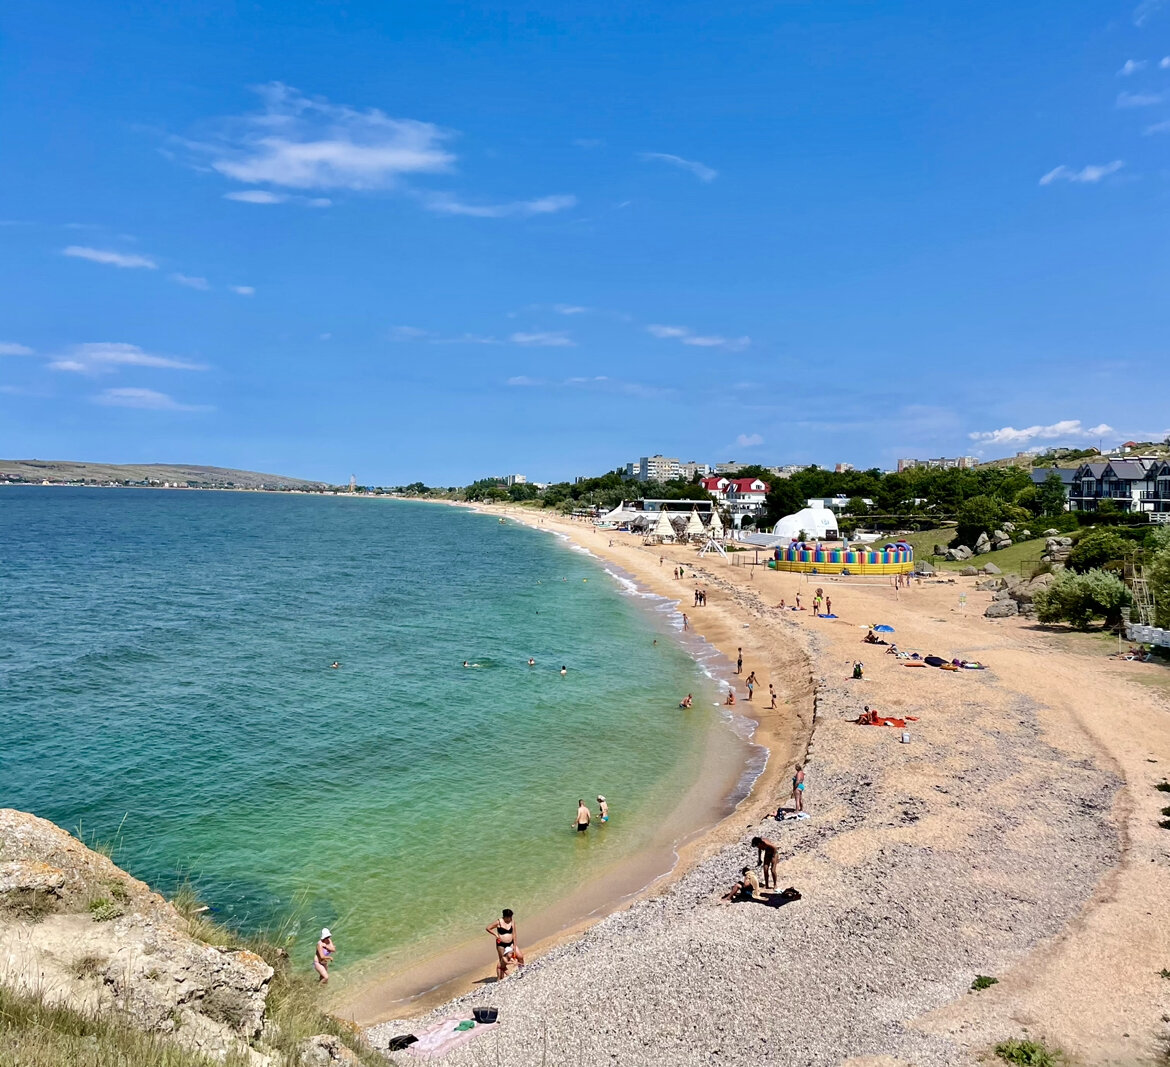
{"type": "Point", "coordinates": [507, 948]}
{"type": "Point", "coordinates": [325, 952]}
{"type": "Point", "coordinates": [564, 670]}
{"type": "Point", "coordinates": [583, 817]}
{"type": "Point", "coordinates": [686, 622]}
{"type": "Point", "coordinates": [531, 662]}
{"type": "Point", "coordinates": [602, 808]}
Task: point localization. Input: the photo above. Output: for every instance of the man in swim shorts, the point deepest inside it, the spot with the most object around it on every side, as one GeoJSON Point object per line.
{"type": "Point", "coordinates": [582, 817]}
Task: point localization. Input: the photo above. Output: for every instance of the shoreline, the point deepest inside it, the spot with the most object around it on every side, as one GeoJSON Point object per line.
{"type": "Point", "coordinates": [775, 738]}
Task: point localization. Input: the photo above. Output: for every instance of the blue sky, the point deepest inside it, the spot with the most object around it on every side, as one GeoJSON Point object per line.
{"type": "Point", "coordinates": [440, 240]}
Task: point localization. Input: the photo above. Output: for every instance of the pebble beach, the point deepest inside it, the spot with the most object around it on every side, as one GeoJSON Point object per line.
{"type": "Point", "coordinates": [1015, 836]}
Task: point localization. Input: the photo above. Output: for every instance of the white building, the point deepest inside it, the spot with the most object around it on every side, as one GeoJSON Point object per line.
{"type": "Point", "coordinates": [515, 479]}
{"type": "Point", "coordinates": [689, 469]}
{"type": "Point", "coordinates": [658, 468]}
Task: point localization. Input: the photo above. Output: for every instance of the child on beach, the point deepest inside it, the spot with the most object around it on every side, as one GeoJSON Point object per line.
{"type": "Point", "coordinates": [772, 694]}
{"type": "Point", "coordinates": [325, 952]}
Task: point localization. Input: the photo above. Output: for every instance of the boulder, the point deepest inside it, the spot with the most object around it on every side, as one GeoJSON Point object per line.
{"type": "Point", "coordinates": [324, 1050]}
{"type": "Point", "coordinates": [1024, 535]}
{"type": "Point", "coordinates": [18, 877]}
{"type": "Point", "coordinates": [1002, 594]}
{"type": "Point", "coordinates": [1001, 609]}
{"type": "Point", "coordinates": [968, 572]}
{"type": "Point", "coordinates": [1008, 526]}
{"type": "Point", "coordinates": [1025, 592]}
{"type": "Point", "coordinates": [922, 567]}
{"type": "Point", "coordinates": [1050, 533]}
{"type": "Point", "coordinates": [989, 583]}
{"type": "Point", "coordinates": [991, 568]}
{"type": "Point", "coordinates": [982, 544]}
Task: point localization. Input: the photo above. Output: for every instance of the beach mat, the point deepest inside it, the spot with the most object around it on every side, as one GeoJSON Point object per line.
{"type": "Point", "coordinates": [442, 1038]}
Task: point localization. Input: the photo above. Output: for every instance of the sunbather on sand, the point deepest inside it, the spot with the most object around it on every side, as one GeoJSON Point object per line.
{"type": "Point", "coordinates": [747, 888]}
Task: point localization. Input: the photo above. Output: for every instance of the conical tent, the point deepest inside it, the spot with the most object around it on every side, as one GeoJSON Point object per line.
{"type": "Point", "coordinates": [716, 528]}
{"type": "Point", "coordinates": [694, 525]}
{"type": "Point", "coordinates": [662, 528]}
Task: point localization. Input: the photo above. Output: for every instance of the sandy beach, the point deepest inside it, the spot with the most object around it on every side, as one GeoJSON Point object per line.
{"type": "Point", "coordinates": [1016, 835]}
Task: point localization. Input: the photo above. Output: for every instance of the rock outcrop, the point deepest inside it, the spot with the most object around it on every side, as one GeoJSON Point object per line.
{"type": "Point", "coordinates": [80, 931]}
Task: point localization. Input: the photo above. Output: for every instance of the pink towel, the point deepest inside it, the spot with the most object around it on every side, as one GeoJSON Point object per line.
{"type": "Point", "coordinates": [442, 1038]}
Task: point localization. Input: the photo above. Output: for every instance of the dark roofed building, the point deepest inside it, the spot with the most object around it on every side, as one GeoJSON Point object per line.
{"type": "Point", "coordinates": [1067, 474]}
{"type": "Point", "coordinates": [1133, 484]}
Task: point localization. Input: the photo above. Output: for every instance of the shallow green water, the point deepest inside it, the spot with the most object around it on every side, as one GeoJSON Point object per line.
{"type": "Point", "coordinates": [164, 668]}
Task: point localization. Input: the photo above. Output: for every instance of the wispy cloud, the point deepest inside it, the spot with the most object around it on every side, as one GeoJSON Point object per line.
{"type": "Point", "coordinates": [688, 337]}
{"type": "Point", "coordinates": [543, 339]}
{"type": "Point", "coordinates": [11, 348]}
{"type": "Point", "coordinates": [301, 142]}
{"type": "Point", "coordinates": [1142, 99]}
{"type": "Point", "coordinates": [1146, 10]}
{"type": "Point", "coordinates": [699, 170]}
{"type": "Point", "coordinates": [595, 382]}
{"type": "Point", "coordinates": [1164, 63]}
{"type": "Point", "coordinates": [113, 259]}
{"type": "Point", "coordinates": [1131, 66]}
{"type": "Point", "coordinates": [1158, 127]}
{"type": "Point", "coordinates": [1065, 429]}
{"type": "Point", "coordinates": [1090, 174]}
{"type": "Point", "coordinates": [190, 282]}
{"type": "Point", "coordinates": [444, 204]}
{"type": "Point", "coordinates": [266, 196]}
{"type": "Point", "coordinates": [243, 290]}
{"type": "Point", "coordinates": [569, 309]}
{"type": "Point", "coordinates": [749, 440]}
{"type": "Point", "coordinates": [105, 357]}
{"type": "Point", "coordinates": [414, 333]}
{"type": "Point", "coordinates": [144, 399]}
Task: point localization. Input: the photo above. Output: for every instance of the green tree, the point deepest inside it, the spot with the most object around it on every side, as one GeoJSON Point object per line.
{"type": "Point", "coordinates": [784, 498]}
{"type": "Point", "coordinates": [1097, 549]}
{"type": "Point", "coordinates": [977, 515]}
{"type": "Point", "coordinates": [1158, 573]}
{"type": "Point", "coordinates": [1078, 599]}
{"type": "Point", "coordinates": [857, 506]}
{"type": "Point", "coordinates": [1050, 495]}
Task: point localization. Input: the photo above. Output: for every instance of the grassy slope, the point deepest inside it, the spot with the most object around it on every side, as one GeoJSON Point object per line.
{"type": "Point", "coordinates": [1013, 559]}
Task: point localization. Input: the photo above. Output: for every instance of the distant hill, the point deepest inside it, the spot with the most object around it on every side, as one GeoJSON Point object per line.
{"type": "Point", "coordinates": [60, 471]}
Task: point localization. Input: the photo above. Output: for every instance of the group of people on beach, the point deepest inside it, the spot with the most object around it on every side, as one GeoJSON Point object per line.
{"type": "Point", "coordinates": [700, 598]}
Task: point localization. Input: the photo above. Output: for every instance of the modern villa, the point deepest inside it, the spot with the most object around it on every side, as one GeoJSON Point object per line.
{"type": "Point", "coordinates": [1134, 483]}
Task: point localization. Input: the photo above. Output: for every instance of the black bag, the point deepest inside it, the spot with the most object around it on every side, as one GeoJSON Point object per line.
{"type": "Point", "coordinates": [397, 1044]}
{"type": "Point", "coordinates": [485, 1015]}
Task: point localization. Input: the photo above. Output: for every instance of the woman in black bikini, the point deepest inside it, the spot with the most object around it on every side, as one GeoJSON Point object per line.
{"type": "Point", "coordinates": [504, 931]}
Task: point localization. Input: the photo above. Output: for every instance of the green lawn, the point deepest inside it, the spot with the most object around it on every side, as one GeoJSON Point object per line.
{"type": "Point", "coordinates": [1019, 558]}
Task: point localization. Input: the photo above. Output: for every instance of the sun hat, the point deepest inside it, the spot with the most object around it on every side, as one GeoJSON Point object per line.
{"type": "Point", "coordinates": [325, 934]}
{"type": "Point", "coordinates": [600, 797]}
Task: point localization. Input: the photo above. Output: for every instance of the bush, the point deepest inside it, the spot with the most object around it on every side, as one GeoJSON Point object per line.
{"type": "Point", "coordinates": [1078, 599]}
{"type": "Point", "coordinates": [1096, 549]}
{"type": "Point", "coordinates": [978, 515]}
{"type": "Point", "coordinates": [1027, 1054]}
{"type": "Point", "coordinates": [983, 981]}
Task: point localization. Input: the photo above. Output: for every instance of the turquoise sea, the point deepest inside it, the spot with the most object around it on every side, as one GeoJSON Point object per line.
{"type": "Point", "coordinates": [165, 684]}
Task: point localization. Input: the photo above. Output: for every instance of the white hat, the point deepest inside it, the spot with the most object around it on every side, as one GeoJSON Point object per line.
{"type": "Point", "coordinates": [325, 934]}
{"type": "Point", "coordinates": [600, 797]}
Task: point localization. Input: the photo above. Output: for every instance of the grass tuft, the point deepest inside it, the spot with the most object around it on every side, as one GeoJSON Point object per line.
{"type": "Point", "coordinates": [32, 905]}
{"type": "Point", "coordinates": [103, 909]}
{"type": "Point", "coordinates": [983, 981]}
{"type": "Point", "coordinates": [89, 966]}
{"type": "Point", "coordinates": [1027, 1054]}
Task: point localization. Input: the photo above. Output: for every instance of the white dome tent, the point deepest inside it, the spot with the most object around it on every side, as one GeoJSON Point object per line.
{"type": "Point", "coordinates": [818, 524]}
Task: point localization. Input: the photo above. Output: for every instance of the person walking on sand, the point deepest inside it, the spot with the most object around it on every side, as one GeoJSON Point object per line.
{"type": "Point", "coordinates": [751, 684]}
{"type": "Point", "coordinates": [772, 694]}
{"type": "Point", "coordinates": [507, 948]}
{"type": "Point", "coordinates": [766, 854]}
{"type": "Point", "coordinates": [583, 817]}
{"type": "Point", "coordinates": [739, 662]}
{"type": "Point", "coordinates": [602, 808]}
{"type": "Point", "coordinates": [325, 952]}
{"type": "Point", "coordinates": [798, 789]}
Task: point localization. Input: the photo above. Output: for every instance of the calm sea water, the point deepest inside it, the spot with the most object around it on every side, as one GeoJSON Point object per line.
{"type": "Point", "coordinates": [165, 679]}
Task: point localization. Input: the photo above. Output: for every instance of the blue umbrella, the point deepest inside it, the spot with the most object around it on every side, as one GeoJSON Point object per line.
{"type": "Point", "coordinates": [883, 629]}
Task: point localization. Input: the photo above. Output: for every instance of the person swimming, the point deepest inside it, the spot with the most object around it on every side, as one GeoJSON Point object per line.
{"type": "Point", "coordinates": [686, 701]}
{"type": "Point", "coordinates": [334, 665]}
{"type": "Point", "coordinates": [531, 662]}
{"type": "Point", "coordinates": [564, 670]}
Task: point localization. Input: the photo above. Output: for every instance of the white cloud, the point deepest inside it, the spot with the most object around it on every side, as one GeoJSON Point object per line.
{"type": "Point", "coordinates": [543, 339]}
{"type": "Point", "coordinates": [749, 440]}
{"type": "Point", "coordinates": [144, 399]}
{"type": "Point", "coordinates": [408, 333]}
{"type": "Point", "coordinates": [11, 348]}
{"type": "Point", "coordinates": [1090, 174]}
{"type": "Point", "coordinates": [243, 290]}
{"type": "Point", "coordinates": [524, 380]}
{"type": "Point", "coordinates": [1159, 127]}
{"type": "Point", "coordinates": [1165, 63]}
{"type": "Point", "coordinates": [1066, 428]}
{"type": "Point", "coordinates": [414, 333]}
{"type": "Point", "coordinates": [298, 142]}
{"type": "Point", "coordinates": [1144, 99]}
{"type": "Point", "coordinates": [114, 259]}
{"type": "Point", "coordinates": [105, 357]}
{"type": "Point", "coordinates": [266, 196]}
{"type": "Point", "coordinates": [190, 282]}
{"type": "Point", "coordinates": [569, 309]}
{"type": "Point", "coordinates": [688, 337]}
{"type": "Point", "coordinates": [1131, 66]}
{"type": "Point", "coordinates": [444, 204]}
{"type": "Point", "coordinates": [699, 170]}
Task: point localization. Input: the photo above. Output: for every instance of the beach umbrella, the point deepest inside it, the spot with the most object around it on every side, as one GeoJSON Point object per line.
{"type": "Point", "coordinates": [883, 629]}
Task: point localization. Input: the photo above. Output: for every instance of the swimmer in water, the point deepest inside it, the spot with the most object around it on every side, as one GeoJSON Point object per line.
{"type": "Point", "coordinates": [564, 670]}
{"type": "Point", "coordinates": [686, 701]}
{"type": "Point", "coordinates": [583, 817]}
{"type": "Point", "coordinates": [334, 665]}
{"type": "Point", "coordinates": [531, 662]}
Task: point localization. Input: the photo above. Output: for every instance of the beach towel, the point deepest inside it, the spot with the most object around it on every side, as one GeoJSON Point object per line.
{"type": "Point", "coordinates": [934, 661]}
{"type": "Point", "coordinates": [443, 1037]}
{"type": "Point", "coordinates": [913, 663]}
